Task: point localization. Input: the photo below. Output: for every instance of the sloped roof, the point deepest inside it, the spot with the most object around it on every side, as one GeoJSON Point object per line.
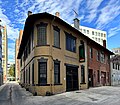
{"type": "Point", "coordinates": [32, 18]}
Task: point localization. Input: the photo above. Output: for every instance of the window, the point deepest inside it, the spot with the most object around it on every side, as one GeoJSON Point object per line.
{"type": "Point", "coordinates": [113, 66]}
{"type": "Point", "coordinates": [41, 34]}
{"type": "Point", "coordinates": [32, 38]}
{"type": "Point", "coordinates": [21, 62]}
{"type": "Point", "coordinates": [42, 72]}
{"type": "Point", "coordinates": [56, 72]}
{"type": "Point", "coordinates": [96, 33]}
{"type": "Point", "coordinates": [82, 52]}
{"type": "Point", "coordinates": [56, 37]}
{"type": "Point", "coordinates": [98, 56]}
{"type": "Point", "coordinates": [98, 39]}
{"type": "Point", "coordinates": [29, 75]}
{"type": "Point", "coordinates": [91, 52]}
{"type": "Point", "coordinates": [101, 34]}
{"type": "Point", "coordinates": [87, 31]}
{"type": "Point", "coordinates": [104, 35]}
{"type": "Point", "coordinates": [82, 74]}
{"type": "Point", "coordinates": [24, 76]}
{"type": "Point", "coordinates": [70, 43]}
{"type": "Point", "coordinates": [102, 58]}
{"type": "Point", "coordinates": [84, 31]}
{"type": "Point", "coordinates": [33, 73]}
{"type": "Point", "coordinates": [92, 32]}
{"type": "Point", "coordinates": [98, 76]}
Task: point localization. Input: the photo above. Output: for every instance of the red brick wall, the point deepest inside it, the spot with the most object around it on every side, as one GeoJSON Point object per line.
{"type": "Point", "coordinates": [97, 65]}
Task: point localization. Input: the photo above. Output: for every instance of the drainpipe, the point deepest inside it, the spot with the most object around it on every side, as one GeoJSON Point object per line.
{"type": "Point", "coordinates": [51, 70]}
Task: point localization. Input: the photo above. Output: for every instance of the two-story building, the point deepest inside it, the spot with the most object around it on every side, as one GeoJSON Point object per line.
{"type": "Point", "coordinates": [98, 64]}
{"type": "Point", "coordinates": [54, 55]}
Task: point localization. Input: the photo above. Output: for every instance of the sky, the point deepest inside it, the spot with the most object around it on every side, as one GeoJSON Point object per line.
{"type": "Point", "coordinates": [98, 14]}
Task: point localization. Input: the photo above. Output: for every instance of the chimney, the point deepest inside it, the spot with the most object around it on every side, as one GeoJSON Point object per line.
{"type": "Point", "coordinates": [29, 13]}
{"type": "Point", "coordinates": [104, 43]}
{"type": "Point", "coordinates": [76, 23]}
{"type": "Point", "coordinates": [57, 14]}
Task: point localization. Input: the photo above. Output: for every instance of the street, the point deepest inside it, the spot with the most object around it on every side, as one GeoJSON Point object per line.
{"type": "Point", "coordinates": [13, 94]}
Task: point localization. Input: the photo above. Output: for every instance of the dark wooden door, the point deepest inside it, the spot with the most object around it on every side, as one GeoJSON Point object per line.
{"type": "Point", "coordinates": [71, 78]}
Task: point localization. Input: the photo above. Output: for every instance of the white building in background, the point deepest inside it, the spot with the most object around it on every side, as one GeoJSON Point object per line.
{"type": "Point", "coordinates": [97, 35]}
{"type": "Point", "coordinates": [115, 70]}
{"type": "Point", "coordinates": [116, 51]}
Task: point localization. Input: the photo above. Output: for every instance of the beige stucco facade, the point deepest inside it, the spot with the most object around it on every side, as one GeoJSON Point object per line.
{"type": "Point", "coordinates": [51, 53]}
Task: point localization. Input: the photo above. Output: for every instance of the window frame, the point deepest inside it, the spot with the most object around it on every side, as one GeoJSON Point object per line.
{"type": "Point", "coordinates": [39, 42]}
{"type": "Point", "coordinates": [55, 28]}
{"type": "Point", "coordinates": [69, 39]}
{"type": "Point", "coordinates": [58, 64]}
{"type": "Point", "coordinates": [82, 74]}
{"type": "Point", "coordinates": [42, 61]}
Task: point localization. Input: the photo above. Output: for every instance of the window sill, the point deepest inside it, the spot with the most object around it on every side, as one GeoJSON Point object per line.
{"type": "Point", "coordinates": [57, 84]}
{"type": "Point", "coordinates": [42, 45]}
{"type": "Point", "coordinates": [41, 84]}
{"type": "Point", "coordinates": [57, 47]}
{"type": "Point", "coordinates": [82, 83]}
{"type": "Point", "coordinates": [71, 51]}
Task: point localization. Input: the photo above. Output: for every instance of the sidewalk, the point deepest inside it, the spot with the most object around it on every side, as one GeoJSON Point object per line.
{"type": "Point", "coordinates": [2, 86]}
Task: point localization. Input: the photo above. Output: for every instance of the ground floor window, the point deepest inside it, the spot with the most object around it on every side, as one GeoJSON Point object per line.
{"type": "Point", "coordinates": [42, 72]}
{"type": "Point", "coordinates": [56, 72]}
{"type": "Point", "coordinates": [82, 74]}
{"type": "Point", "coordinates": [33, 73]}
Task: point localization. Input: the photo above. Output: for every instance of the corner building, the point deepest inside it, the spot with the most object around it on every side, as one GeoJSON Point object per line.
{"type": "Point", "coordinates": [53, 56]}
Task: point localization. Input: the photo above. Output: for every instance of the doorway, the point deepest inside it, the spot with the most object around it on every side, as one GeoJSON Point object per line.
{"type": "Point", "coordinates": [71, 78]}
{"type": "Point", "coordinates": [90, 77]}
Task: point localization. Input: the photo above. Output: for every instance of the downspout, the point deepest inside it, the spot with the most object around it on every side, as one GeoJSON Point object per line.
{"type": "Point", "coordinates": [51, 55]}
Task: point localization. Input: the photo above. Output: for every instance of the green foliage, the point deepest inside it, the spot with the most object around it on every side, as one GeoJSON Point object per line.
{"type": "Point", "coordinates": [12, 70]}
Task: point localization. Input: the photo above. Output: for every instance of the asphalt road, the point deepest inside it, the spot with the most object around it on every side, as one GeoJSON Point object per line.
{"type": "Point", "coordinates": [13, 94]}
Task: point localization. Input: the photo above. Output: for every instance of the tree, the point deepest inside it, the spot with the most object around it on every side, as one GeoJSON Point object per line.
{"type": "Point", "coordinates": [12, 70]}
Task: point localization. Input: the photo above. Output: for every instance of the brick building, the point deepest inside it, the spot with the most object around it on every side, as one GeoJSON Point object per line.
{"type": "Point", "coordinates": [53, 55]}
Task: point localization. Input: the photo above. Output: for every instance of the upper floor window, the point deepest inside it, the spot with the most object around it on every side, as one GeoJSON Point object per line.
{"type": "Point", "coordinates": [102, 57]}
{"type": "Point", "coordinates": [41, 34]}
{"type": "Point", "coordinates": [84, 30]}
{"type": "Point", "coordinates": [98, 56]}
{"type": "Point", "coordinates": [87, 31]}
{"type": "Point", "coordinates": [32, 38]}
{"type": "Point", "coordinates": [101, 34]}
{"type": "Point", "coordinates": [70, 42]}
{"type": "Point", "coordinates": [82, 52]}
{"type": "Point", "coordinates": [56, 36]}
{"type": "Point", "coordinates": [91, 52]}
{"type": "Point", "coordinates": [92, 32]}
{"type": "Point", "coordinates": [104, 35]}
